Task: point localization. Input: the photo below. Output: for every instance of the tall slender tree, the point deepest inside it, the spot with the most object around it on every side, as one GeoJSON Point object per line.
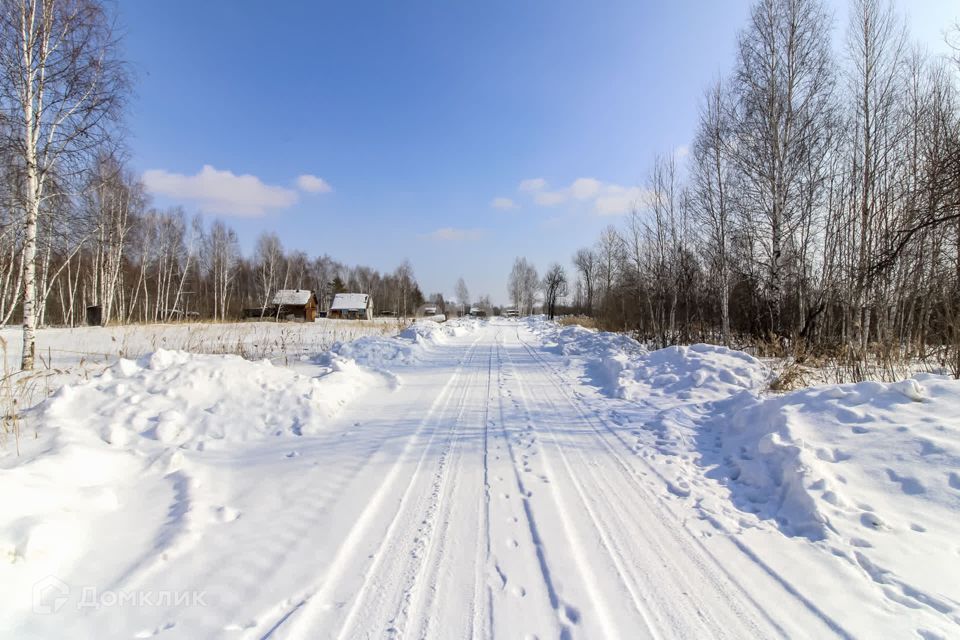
{"type": "Point", "coordinates": [62, 85]}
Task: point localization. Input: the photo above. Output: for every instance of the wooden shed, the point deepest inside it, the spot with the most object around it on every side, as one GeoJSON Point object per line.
{"type": "Point", "coordinates": [351, 306]}
{"type": "Point", "coordinates": [295, 304]}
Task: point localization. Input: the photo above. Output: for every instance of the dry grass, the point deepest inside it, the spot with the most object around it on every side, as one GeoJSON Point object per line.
{"type": "Point", "coordinates": [250, 340]}
{"type": "Point", "coordinates": [76, 355]}
{"type": "Point", "coordinates": [22, 390]}
{"type": "Point", "coordinates": [802, 368]}
{"type": "Point", "coordinates": [582, 321]}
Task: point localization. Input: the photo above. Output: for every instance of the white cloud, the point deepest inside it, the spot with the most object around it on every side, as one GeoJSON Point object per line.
{"type": "Point", "coordinates": [222, 192]}
{"type": "Point", "coordinates": [503, 203]}
{"type": "Point", "coordinates": [313, 184]}
{"type": "Point", "coordinates": [607, 198]}
{"type": "Point", "coordinates": [447, 234]}
{"type": "Point", "coordinates": [617, 200]}
{"type": "Point", "coordinates": [532, 184]}
{"type": "Point", "coordinates": [585, 188]}
{"type": "Point", "coordinates": [681, 152]}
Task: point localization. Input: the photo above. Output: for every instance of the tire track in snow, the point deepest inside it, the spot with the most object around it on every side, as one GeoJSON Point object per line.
{"type": "Point", "coordinates": [586, 568]}
{"type": "Point", "coordinates": [707, 564]}
{"type": "Point", "coordinates": [624, 516]}
{"type": "Point", "coordinates": [645, 580]}
{"type": "Point", "coordinates": [482, 593]}
{"type": "Point", "coordinates": [520, 587]}
{"type": "Point", "coordinates": [241, 559]}
{"type": "Point", "coordinates": [566, 614]}
{"type": "Point", "coordinates": [381, 599]}
{"type": "Point", "coordinates": [315, 607]}
{"type": "Point", "coordinates": [421, 608]}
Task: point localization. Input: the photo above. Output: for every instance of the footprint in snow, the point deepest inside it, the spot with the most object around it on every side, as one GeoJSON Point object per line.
{"type": "Point", "coordinates": [954, 481]}
{"type": "Point", "coordinates": [149, 633]}
{"type": "Point", "coordinates": [501, 576]}
{"type": "Point", "coordinates": [225, 514]}
{"type": "Point", "coordinates": [571, 615]}
{"type": "Point", "coordinates": [872, 520]}
{"type": "Point", "coordinates": [680, 489]}
{"type": "Point", "coordinates": [240, 626]}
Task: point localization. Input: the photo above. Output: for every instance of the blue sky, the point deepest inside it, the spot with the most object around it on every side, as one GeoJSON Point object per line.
{"type": "Point", "coordinates": [458, 134]}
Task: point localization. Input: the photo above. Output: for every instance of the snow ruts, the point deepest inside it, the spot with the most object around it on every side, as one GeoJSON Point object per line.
{"type": "Point", "coordinates": [515, 511]}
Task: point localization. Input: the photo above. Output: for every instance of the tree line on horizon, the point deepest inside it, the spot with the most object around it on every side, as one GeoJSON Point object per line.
{"type": "Point", "coordinates": [76, 226]}
{"type": "Point", "coordinates": [818, 210]}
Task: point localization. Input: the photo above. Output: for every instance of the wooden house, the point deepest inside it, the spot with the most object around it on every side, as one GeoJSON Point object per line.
{"type": "Point", "coordinates": [351, 306]}
{"type": "Point", "coordinates": [294, 304]}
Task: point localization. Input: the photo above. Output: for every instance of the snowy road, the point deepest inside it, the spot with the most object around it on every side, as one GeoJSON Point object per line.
{"type": "Point", "coordinates": [484, 498]}
{"type": "Point", "coordinates": [474, 480]}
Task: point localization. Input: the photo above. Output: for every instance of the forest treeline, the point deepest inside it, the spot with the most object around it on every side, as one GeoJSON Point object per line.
{"type": "Point", "coordinates": [818, 207]}
{"type": "Point", "coordinates": [109, 248]}
{"type": "Point", "coordinates": [76, 227]}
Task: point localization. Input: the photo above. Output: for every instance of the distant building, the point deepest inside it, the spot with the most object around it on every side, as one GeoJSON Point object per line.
{"type": "Point", "coordinates": [510, 312]}
{"type": "Point", "coordinates": [351, 306]}
{"type": "Point", "coordinates": [294, 304]}
{"type": "Point", "coordinates": [477, 312]}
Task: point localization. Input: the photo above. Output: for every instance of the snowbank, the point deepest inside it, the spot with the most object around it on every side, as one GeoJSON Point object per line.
{"type": "Point", "coordinates": [697, 373]}
{"type": "Point", "coordinates": [623, 368]}
{"type": "Point", "coordinates": [868, 473]}
{"type": "Point", "coordinates": [116, 460]}
{"type": "Point", "coordinates": [605, 355]}
{"type": "Point", "coordinates": [187, 400]}
{"type": "Point", "coordinates": [412, 344]}
{"type": "Point", "coordinates": [872, 468]}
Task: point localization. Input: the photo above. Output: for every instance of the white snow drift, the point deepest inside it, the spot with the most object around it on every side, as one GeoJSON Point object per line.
{"type": "Point", "coordinates": [870, 472]}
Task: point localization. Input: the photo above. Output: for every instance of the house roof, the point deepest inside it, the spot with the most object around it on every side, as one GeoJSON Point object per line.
{"type": "Point", "coordinates": [348, 301]}
{"type": "Point", "coordinates": [292, 297]}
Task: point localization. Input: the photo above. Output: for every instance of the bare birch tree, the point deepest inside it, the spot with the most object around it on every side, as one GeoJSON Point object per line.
{"type": "Point", "coordinates": [712, 178]}
{"type": "Point", "coordinates": [784, 86]}
{"type": "Point", "coordinates": [61, 85]}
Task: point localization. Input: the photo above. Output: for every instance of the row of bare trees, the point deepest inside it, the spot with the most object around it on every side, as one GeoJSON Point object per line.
{"type": "Point", "coordinates": [819, 207]}
{"type": "Point", "coordinates": [138, 264]}
{"type": "Point", "coordinates": [529, 292]}
{"type": "Point", "coordinates": [76, 228]}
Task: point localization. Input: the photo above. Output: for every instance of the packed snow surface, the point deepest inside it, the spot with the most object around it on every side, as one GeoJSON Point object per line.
{"type": "Point", "coordinates": [481, 479]}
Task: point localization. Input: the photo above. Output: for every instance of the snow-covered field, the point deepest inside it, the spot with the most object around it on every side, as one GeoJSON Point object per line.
{"type": "Point", "coordinates": [63, 348]}
{"type": "Point", "coordinates": [70, 355]}
{"type": "Point", "coordinates": [476, 479]}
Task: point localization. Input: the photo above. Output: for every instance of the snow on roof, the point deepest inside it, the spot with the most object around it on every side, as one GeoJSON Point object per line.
{"type": "Point", "coordinates": [346, 301]}
{"type": "Point", "coordinates": [292, 297]}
